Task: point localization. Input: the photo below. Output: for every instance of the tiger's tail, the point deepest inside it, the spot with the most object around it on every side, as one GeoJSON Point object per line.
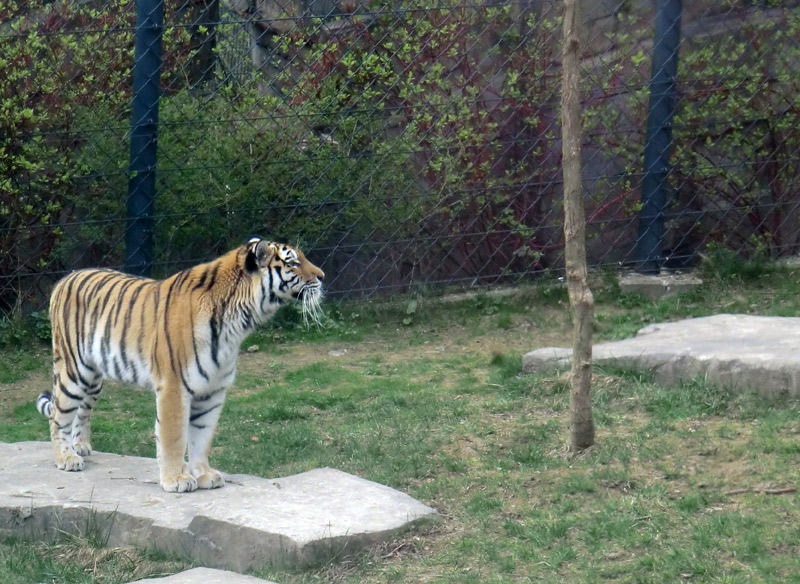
{"type": "Point", "coordinates": [44, 403]}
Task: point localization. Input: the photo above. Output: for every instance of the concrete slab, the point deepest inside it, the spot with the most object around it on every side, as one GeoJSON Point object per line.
{"type": "Point", "coordinates": [657, 286]}
{"type": "Point", "coordinates": [293, 521]}
{"type": "Point", "coordinates": [205, 576]}
{"type": "Point", "coordinates": [739, 351]}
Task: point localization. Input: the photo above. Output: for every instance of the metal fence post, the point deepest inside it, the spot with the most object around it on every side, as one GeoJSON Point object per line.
{"type": "Point", "coordinates": [658, 144]}
{"type": "Point", "coordinates": [144, 136]}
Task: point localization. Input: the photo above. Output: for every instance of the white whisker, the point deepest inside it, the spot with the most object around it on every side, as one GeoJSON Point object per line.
{"type": "Point", "coordinates": [311, 308]}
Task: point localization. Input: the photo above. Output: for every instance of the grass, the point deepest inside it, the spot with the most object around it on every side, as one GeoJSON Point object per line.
{"type": "Point", "coordinates": [675, 490]}
{"type": "Point", "coordinates": [76, 560]}
{"type": "Point", "coordinates": [17, 365]}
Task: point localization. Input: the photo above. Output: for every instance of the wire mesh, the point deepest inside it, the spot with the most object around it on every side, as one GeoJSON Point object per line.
{"type": "Point", "coordinates": [403, 144]}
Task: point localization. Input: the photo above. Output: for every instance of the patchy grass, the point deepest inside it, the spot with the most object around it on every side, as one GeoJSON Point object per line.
{"type": "Point", "coordinates": [19, 364]}
{"type": "Point", "coordinates": [77, 560]}
{"type": "Point", "coordinates": [685, 484]}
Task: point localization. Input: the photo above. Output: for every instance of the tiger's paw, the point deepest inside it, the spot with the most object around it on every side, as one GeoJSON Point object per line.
{"type": "Point", "coordinates": [83, 448]}
{"type": "Point", "coordinates": [210, 480]}
{"type": "Point", "coordinates": [181, 483]}
{"type": "Point", "coordinates": [69, 461]}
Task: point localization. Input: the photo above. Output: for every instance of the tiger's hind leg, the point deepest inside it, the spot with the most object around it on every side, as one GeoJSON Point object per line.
{"type": "Point", "coordinates": [81, 425]}
{"type": "Point", "coordinates": [69, 398]}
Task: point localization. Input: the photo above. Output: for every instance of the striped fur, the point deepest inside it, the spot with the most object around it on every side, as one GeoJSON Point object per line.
{"type": "Point", "coordinates": [179, 336]}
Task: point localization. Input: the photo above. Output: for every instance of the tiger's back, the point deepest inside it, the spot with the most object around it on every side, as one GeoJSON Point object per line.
{"type": "Point", "coordinates": [148, 332]}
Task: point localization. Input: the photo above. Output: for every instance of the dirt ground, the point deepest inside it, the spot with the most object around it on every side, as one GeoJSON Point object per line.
{"type": "Point", "coordinates": [30, 386]}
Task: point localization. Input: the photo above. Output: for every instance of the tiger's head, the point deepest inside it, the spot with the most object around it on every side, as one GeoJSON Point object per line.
{"type": "Point", "coordinates": [285, 274]}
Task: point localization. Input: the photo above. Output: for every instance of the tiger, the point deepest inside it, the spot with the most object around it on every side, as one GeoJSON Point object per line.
{"type": "Point", "coordinates": [179, 336]}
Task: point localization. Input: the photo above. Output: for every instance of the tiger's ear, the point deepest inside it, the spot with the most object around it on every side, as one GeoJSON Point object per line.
{"type": "Point", "coordinates": [259, 252]}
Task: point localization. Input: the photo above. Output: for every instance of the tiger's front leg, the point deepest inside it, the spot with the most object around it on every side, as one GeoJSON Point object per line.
{"type": "Point", "coordinates": [172, 421]}
{"type": "Point", "coordinates": [203, 417]}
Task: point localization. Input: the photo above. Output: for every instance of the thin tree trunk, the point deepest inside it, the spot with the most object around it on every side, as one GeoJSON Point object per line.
{"type": "Point", "coordinates": [580, 296]}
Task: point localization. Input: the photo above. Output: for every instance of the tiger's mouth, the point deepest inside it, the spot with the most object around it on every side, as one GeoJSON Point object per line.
{"type": "Point", "coordinates": [310, 297]}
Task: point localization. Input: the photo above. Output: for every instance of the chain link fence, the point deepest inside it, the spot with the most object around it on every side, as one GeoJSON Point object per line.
{"type": "Point", "coordinates": [400, 144]}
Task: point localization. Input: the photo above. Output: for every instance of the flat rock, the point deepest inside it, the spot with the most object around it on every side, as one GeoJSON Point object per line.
{"type": "Point", "coordinates": [205, 576]}
{"type": "Point", "coordinates": [738, 351]}
{"type": "Point", "coordinates": [294, 521]}
{"type": "Point", "coordinates": [658, 285]}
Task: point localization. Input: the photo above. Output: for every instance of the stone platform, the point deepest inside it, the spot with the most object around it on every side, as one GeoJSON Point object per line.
{"type": "Point", "coordinates": [738, 351]}
{"type": "Point", "coordinates": [657, 286]}
{"type": "Point", "coordinates": [294, 521]}
{"type": "Point", "coordinates": [204, 576]}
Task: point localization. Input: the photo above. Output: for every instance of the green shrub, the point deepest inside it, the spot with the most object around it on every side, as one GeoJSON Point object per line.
{"type": "Point", "coordinates": [735, 133]}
